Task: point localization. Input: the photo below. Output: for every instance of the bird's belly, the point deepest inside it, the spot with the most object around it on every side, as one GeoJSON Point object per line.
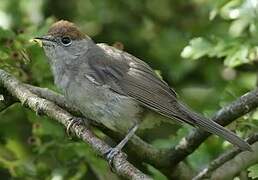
{"type": "Point", "coordinates": [99, 103]}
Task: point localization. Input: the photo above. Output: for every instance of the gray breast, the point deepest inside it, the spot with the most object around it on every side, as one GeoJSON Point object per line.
{"type": "Point", "coordinates": [99, 103]}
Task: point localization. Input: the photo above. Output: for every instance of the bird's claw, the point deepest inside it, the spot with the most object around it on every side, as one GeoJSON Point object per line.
{"type": "Point", "coordinates": [24, 102]}
{"type": "Point", "coordinates": [74, 121]}
{"type": "Point", "coordinates": [39, 110]}
{"type": "Point", "coordinates": [110, 155]}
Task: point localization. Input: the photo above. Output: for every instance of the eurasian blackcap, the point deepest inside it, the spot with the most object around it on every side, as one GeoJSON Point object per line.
{"type": "Point", "coordinates": [115, 88]}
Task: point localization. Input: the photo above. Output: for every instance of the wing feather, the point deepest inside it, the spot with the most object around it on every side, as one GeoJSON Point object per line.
{"type": "Point", "coordinates": [128, 75]}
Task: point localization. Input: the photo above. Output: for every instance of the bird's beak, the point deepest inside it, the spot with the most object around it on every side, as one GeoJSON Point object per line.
{"type": "Point", "coordinates": [41, 40]}
{"type": "Point", "coordinates": [37, 40]}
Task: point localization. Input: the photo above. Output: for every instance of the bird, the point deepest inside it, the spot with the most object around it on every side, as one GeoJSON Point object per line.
{"type": "Point", "coordinates": [115, 88]}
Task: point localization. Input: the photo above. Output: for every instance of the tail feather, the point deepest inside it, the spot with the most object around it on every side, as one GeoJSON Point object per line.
{"type": "Point", "coordinates": [215, 128]}
{"type": "Point", "coordinates": [219, 130]}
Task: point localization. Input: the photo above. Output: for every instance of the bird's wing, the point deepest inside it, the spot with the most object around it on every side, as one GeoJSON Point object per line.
{"type": "Point", "coordinates": [128, 75]}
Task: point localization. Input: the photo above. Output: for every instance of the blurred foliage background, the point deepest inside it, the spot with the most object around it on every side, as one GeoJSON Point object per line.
{"type": "Point", "coordinates": [207, 50]}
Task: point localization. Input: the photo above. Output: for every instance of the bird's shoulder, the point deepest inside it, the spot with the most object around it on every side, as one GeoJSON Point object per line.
{"type": "Point", "coordinates": [134, 69]}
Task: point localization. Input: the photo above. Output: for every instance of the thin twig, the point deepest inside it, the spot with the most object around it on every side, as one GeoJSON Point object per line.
{"type": "Point", "coordinates": [223, 158]}
{"type": "Point", "coordinates": [233, 167]}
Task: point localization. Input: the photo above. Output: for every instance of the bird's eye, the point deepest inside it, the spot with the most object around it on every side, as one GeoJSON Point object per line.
{"type": "Point", "coordinates": [66, 41]}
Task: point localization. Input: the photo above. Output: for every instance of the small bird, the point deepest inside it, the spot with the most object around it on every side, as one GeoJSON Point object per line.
{"type": "Point", "coordinates": [115, 88]}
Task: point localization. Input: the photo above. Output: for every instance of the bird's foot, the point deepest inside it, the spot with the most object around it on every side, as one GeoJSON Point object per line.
{"type": "Point", "coordinates": [74, 121]}
{"type": "Point", "coordinates": [110, 155]}
{"type": "Point", "coordinates": [39, 109]}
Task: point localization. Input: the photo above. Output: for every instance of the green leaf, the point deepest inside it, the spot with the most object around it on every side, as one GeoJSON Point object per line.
{"type": "Point", "coordinates": [4, 55]}
{"type": "Point", "coordinates": [253, 171]}
{"type": "Point", "coordinates": [197, 48]}
{"type": "Point", "coordinates": [238, 26]}
{"type": "Point", "coordinates": [6, 33]}
{"type": "Point", "coordinates": [237, 56]}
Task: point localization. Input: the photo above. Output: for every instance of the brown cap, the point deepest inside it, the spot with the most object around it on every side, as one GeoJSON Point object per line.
{"type": "Point", "coordinates": [65, 28]}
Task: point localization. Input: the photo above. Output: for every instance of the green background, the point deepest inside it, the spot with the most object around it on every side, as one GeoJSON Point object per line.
{"type": "Point", "coordinates": [206, 50]}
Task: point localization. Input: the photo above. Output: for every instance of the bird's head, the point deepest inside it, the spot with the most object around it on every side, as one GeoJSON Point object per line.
{"type": "Point", "coordinates": [64, 42]}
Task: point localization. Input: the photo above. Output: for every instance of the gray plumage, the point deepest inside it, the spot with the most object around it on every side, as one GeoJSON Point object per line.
{"type": "Point", "coordinates": [114, 88]}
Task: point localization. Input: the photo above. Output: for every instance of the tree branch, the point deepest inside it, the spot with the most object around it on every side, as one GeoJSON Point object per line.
{"type": "Point", "coordinates": [121, 166]}
{"type": "Point", "coordinates": [225, 116]}
{"type": "Point", "coordinates": [136, 145]}
{"type": "Point", "coordinates": [233, 167]}
{"type": "Point", "coordinates": [159, 158]}
{"type": "Point", "coordinates": [54, 97]}
{"type": "Point", "coordinates": [206, 172]}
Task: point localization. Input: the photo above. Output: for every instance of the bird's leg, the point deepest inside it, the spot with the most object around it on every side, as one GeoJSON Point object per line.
{"type": "Point", "coordinates": [112, 152]}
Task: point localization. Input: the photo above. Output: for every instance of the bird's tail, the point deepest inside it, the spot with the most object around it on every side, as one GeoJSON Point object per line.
{"type": "Point", "coordinates": [214, 128]}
